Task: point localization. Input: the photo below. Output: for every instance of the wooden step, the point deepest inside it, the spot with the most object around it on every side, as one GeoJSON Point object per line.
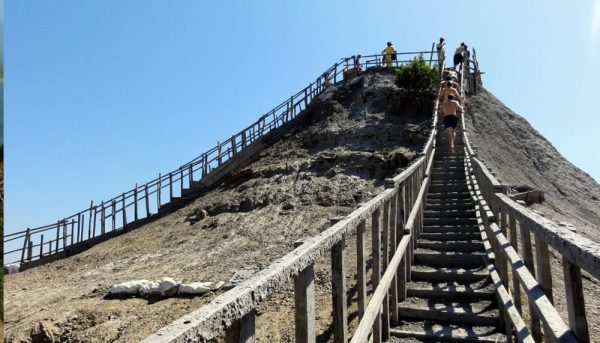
{"type": "Point", "coordinates": [431, 331]}
{"type": "Point", "coordinates": [449, 221]}
{"type": "Point", "coordinates": [432, 258]}
{"type": "Point", "coordinates": [470, 213]}
{"type": "Point", "coordinates": [451, 236]}
{"type": "Point", "coordinates": [449, 229]}
{"type": "Point", "coordinates": [449, 195]}
{"type": "Point", "coordinates": [448, 246]}
{"type": "Point", "coordinates": [426, 273]}
{"type": "Point", "coordinates": [448, 207]}
{"type": "Point", "coordinates": [482, 312]}
{"type": "Point", "coordinates": [483, 289]}
{"type": "Point", "coordinates": [441, 201]}
{"type": "Point", "coordinates": [448, 187]}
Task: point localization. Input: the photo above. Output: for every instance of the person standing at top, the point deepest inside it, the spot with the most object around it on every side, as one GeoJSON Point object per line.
{"type": "Point", "coordinates": [441, 52]}
{"type": "Point", "coordinates": [389, 54]}
{"type": "Point", "coordinates": [458, 55]}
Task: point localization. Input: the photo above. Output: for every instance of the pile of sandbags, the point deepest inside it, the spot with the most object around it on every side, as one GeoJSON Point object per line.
{"type": "Point", "coordinates": [167, 287]}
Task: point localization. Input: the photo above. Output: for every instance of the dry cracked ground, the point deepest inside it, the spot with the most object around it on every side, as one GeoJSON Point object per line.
{"type": "Point", "coordinates": [324, 167]}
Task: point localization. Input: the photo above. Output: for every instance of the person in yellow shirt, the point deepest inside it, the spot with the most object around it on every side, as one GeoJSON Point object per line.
{"type": "Point", "coordinates": [388, 53]}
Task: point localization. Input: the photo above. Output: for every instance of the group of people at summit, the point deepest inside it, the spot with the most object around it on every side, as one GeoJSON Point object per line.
{"type": "Point", "coordinates": [449, 94]}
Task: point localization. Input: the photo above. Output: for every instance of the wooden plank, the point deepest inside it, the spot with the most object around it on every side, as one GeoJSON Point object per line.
{"type": "Point", "coordinates": [528, 259]}
{"type": "Point", "coordinates": [158, 191]}
{"type": "Point", "coordinates": [544, 274]}
{"type": "Point", "coordinates": [124, 215]}
{"type": "Point", "coordinates": [30, 250]}
{"type": "Point", "coordinates": [373, 311]}
{"type": "Point", "coordinates": [73, 235]}
{"type": "Point", "coordinates": [338, 280]}
{"type": "Point", "coordinates": [57, 235]}
{"type": "Point", "coordinates": [135, 203]}
{"type": "Point", "coordinates": [41, 246]}
{"type": "Point", "coordinates": [394, 244]}
{"type": "Point", "coordinates": [361, 286]}
{"type": "Point", "coordinates": [148, 214]}
{"type": "Point", "coordinates": [576, 302]}
{"type": "Point", "coordinates": [170, 187]}
{"type": "Point", "coordinates": [304, 298]}
{"type": "Point", "coordinates": [385, 234]}
{"type": "Point", "coordinates": [25, 240]}
{"type": "Point", "coordinates": [233, 145]}
{"type": "Point", "coordinates": [90, 221]}
{"type": "Point", "coordinates": [113, 214]}
{"type": "Point", "coordinates": [243, 330]}
{"type": "Point", "coordinates": [102, 219]}
{"type": "Point", "coordinates": [376, 274]}
{"type": "Point", "coordinates": [512, 226]}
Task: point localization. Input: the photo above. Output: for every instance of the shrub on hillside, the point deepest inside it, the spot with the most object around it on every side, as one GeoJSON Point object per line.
{"type": "Point", "coordinates": [417, 76]}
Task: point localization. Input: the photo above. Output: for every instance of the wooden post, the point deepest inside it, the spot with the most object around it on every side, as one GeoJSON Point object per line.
{"type": "Point", "coordinates": [575, 300]}
{"type": "Point", "coordinates": [244, 143]}
{"type": "Point", "coordinates": [181, 181]}
{"type": "Point", "coordinates": [394, 244]}
{"type": "Point", "coordinates": [191, 175]}
{"type": "Point", "coordinates": [30, 250]}
{"type": "Point", "coordinates": [102, 219]}
{"type": "Point", "coordinates": [158, 192]}
{"type": "Point", "coordinates": [338, 281]}
{"type": "Point", "coordinates": [25, 240]}
{"type": "Point", "coordinates": [376, 275]}
{"type": "Point", "coordinates": [83, 225]}
{"type": "Point", "coordinates": [80, 226]}
{"type": "Point", "coordinates": [57, 235]}
{"type": "Point", "coordinates": [148, 214]}
{"type": "Point", "coordinates": [233, 145]}
{"type": "Point", "coordinates": [385, 234]}
{"type": "Point", "coordinates": [170, 187]}
{"type": "Point", "coordinates": [512, 226]}
{"type": "Point", "coordinates": [124, 219]}
{"type": "Point", "coordinates": [90, 220]}
{"type": "Point", "coordinates": [113, 208]}
{"type": "Point", "coordinates": [306, 97]}
{"type": "Point", "coordinates": [528, 259]}
{"type": "Point", "coordinates": [73, 234]}
{"type": "Point", "coordinates": [219, 156]}
{"type": "Point", "coordinates": [335, 73]}
{"type": "Point", "coordinates": [243, 330]}
{"type": "Point", "coordinates": [135, 203]}
{"type": "Point", "coordinates": [304, 297]}
{"type": "Point", "coordinates": [65, 224]}
{"type": "Point", "coordinates": [361, 272]}
{"type": "Point", "coordinates": [42, 246]}
{"type": "Point", "coordinates": [544, 274]}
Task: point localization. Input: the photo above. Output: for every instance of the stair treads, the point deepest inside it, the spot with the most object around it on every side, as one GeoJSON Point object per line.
{"type": "Point", "coordinates": [479, 312]}
{"type": "Point", "coordinates": [447, 258]}
{"type": "Point", "coordinates": [427, 273]}
{"type": "Point", "coordinates": [431, 331]}
{"type": "Point", "coordinates": [452, 236]}
{"type": "Point", "coordinates": [449, 213]}
{"type": "Point", "coordinates": [455, 246]}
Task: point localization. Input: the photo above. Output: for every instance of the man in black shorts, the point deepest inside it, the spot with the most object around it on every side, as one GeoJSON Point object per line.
{"type": "Point", "coordinates": [458, 55]}
{"type": "Point", "coordinates": [450, 108]}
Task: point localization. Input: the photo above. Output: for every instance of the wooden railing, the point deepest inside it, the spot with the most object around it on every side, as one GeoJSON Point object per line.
{"type": "Point", "coordinates": [142, 204]}
{"type": "Point", "coordinates": [504, 222]}
{"type": "Point", "coordinates": [396, 219]}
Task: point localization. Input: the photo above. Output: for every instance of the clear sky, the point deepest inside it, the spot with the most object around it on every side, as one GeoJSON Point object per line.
{"type": "Point", "coordinates": [101, 94]}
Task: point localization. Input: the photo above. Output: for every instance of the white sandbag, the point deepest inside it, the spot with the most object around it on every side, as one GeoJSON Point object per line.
{"type": "Point", "coordinates": [195, 288]}
{"type": "Point", "coordinates": [127, 288]}
{"type": "Point", "coordinates": [168, 286]}
{"type": "Point", "coordinates": [151, 288]}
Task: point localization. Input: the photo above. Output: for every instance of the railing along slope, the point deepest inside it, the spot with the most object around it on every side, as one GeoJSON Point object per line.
{"type": "Point", "coordinates": [149, 201]}
{"type": "Point", "coordinates": [396, 217]}
{"type": "Point", "coordinates": [504, 223]}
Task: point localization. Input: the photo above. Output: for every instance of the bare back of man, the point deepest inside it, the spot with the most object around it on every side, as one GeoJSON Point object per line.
{"type": "Point", "coordinates": [449, 91]}
{"type": "Point", "coordinates": [449, 108]}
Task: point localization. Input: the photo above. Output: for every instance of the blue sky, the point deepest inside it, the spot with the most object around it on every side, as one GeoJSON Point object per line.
{"type": "Point", "coordinates": [103, 94]}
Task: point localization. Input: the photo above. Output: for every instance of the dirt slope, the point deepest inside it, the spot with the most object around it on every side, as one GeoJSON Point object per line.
{"type": "Point", "coordinates": [336, 159]}
{"type": "Point", "coordinates": [520, 155]}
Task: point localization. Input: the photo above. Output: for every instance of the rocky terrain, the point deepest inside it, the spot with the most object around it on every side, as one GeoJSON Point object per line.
{"type": "Point", "coordinates": [325, 167]}
{"type": "Point", "coordinates": [519, 155]}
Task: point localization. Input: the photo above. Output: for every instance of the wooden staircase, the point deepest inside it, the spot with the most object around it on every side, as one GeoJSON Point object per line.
{"type": "Point", "coordinates": [450, 297]}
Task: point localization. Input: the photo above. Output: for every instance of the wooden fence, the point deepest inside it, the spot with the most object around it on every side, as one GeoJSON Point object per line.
{"type": "Point", "coordinates": [131, 209]}
{"type": "Point", "coordinates": [396, 219]}
{"type": "Point", "coordinates": [503, 222]}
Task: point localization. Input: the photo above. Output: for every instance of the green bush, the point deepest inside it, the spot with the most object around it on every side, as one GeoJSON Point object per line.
{"type": "Point", "coordinates": [417, 76]}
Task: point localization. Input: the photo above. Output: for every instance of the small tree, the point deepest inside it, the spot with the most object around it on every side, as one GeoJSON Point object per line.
{"type": "Point", "coordinates": [417, 76]}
